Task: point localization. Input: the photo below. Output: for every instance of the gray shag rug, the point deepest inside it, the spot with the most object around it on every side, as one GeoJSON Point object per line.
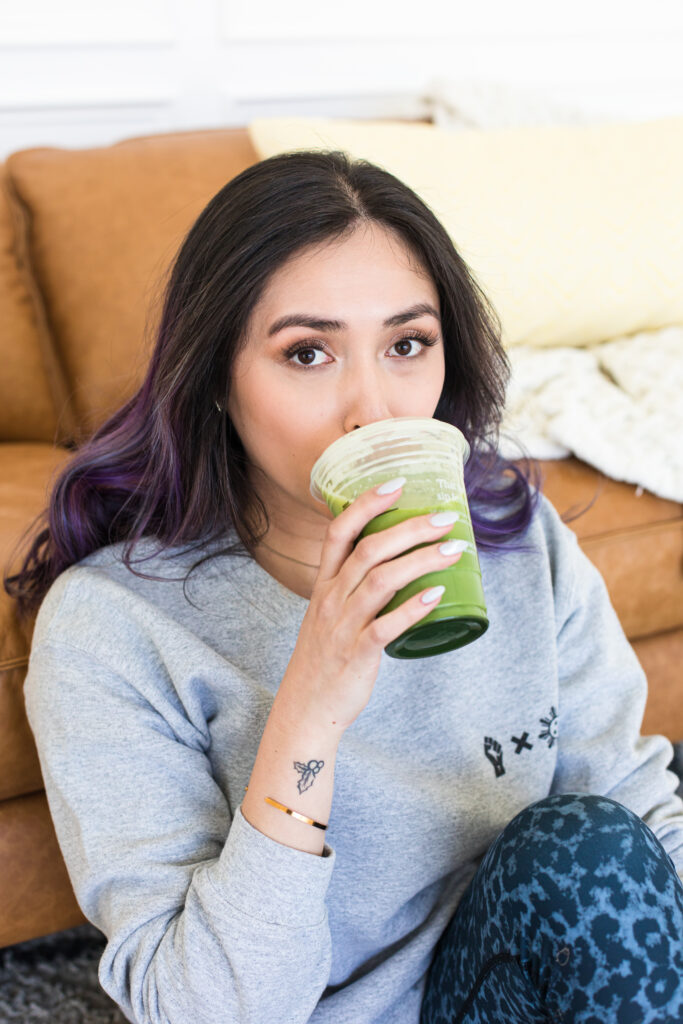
{"type": "Point", "coordinates": [54, 978]}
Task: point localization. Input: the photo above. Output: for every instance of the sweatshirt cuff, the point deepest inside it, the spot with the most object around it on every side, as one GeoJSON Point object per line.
{"type": "Point", "coordinates": [270, 881]}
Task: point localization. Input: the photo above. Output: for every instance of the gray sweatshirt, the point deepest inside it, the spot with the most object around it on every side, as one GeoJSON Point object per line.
{"type": "Point", "coordinates": [148, 708]}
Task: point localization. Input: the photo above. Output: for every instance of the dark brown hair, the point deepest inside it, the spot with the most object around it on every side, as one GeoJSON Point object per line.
{"type": "Point", "coordinates": [167, 464]}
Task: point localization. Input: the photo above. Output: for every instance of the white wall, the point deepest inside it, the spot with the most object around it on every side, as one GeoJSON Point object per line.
{"type": "Point", "coordinates": [81, 72]}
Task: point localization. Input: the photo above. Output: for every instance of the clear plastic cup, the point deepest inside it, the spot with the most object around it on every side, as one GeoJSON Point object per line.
{"type": "Point", "coordinates": [431, 456]}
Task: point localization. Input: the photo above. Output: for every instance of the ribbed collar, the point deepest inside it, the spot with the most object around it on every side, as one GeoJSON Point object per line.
{"type": "Point", "coordinates": [266, 594]}
{"type": "Point", "coordinates": [279, 604]}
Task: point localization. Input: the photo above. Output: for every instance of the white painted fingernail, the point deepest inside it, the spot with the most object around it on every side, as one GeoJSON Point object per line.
{"type": "Point", "coordinates": [444, 518]}
{"type": "Point", "coordinates": [453, 547]}
{"type": "Point", "coordinates": [391, 485]}
{"type": "Point", "coordinates": [432, 595]}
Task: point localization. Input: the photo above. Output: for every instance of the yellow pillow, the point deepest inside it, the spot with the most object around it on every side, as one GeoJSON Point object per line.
{"type": "Point", "coordinates": [574, 232]}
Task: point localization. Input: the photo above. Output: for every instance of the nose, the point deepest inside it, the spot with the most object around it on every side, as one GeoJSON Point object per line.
{"type": "Point", "coordinates": [364, 400]}
{"type": "Point", "coordinates": [366, 394]}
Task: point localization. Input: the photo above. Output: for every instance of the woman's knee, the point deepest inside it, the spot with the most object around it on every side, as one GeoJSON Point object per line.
{"type": "Point", "coordinates": [587, 837]}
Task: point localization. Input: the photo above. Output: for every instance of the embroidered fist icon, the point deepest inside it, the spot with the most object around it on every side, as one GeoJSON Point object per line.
{"type": "Point", "coordinates": [494, 753]}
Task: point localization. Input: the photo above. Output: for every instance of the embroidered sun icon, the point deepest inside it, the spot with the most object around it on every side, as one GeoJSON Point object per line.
{"type": "Point", "coordinates": [551, 726]}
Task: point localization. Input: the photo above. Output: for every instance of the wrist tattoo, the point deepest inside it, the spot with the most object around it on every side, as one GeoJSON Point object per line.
{"type": "Point", "coordinates": [307, 773]}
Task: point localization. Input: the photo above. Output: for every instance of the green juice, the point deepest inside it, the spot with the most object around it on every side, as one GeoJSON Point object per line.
{"type": "Point", "coordinates": [460, 616]}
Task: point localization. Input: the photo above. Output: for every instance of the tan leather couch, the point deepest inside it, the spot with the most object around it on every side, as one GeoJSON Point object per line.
{"type": "Point", "coordinates": [85, 239]}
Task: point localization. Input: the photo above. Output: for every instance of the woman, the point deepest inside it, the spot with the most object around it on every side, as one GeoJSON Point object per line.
{"type": "Point", "coordinates": [268, 818]}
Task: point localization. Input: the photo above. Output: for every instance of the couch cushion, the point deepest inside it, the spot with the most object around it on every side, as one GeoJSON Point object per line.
{"type": "Point", "coordinates": [635, 539]}
{"type": "Point", "coordinates": [104, 225]}
{"type": "Point", "coordinates": [37, 895]}
{"type": "Point", "coordinates": [26, 471]}
{"type": "Point", "coordinates": [573, 231]}
{"type": "Point", "coordinates": [661, 657]}
{"type": "Point", "coordinates": [27, 408]}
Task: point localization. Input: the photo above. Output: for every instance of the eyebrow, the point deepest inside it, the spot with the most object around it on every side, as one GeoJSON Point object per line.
{"type": "Point", "coordinates": [318, 324]}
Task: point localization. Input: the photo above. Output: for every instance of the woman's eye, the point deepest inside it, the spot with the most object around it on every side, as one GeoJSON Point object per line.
{"type": "Point", "coordinates": [309, 349]}
{"type": "Point", "coordinates": [408, 348]}
{"type": "Point", "coordinates": [405, 342]}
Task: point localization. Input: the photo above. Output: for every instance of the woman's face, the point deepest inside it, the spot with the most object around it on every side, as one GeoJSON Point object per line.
{"type": "Point", "coordinates": [288, 408]}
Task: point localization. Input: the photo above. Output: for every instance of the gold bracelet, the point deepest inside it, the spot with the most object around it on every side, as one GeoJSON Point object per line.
{"type": "Point", "coordinates": [288, 810]}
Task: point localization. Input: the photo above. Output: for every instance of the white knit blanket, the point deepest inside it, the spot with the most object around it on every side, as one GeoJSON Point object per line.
{"type": "Point", "coordinates": [617, 405]}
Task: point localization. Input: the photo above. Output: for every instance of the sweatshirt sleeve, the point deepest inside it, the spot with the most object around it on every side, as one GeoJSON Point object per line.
{"type": "Point", "coordinates": [602, 696]}
{"type": "Point", "coordinates": [206, 918]}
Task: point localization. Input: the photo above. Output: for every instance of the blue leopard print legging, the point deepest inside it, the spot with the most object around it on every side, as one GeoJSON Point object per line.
{"type": "Point", "coordinates": [575, 914]}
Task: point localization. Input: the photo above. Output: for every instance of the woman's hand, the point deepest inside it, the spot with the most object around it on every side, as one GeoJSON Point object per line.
{"type": "Point", "coordinates": [333, 669]}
